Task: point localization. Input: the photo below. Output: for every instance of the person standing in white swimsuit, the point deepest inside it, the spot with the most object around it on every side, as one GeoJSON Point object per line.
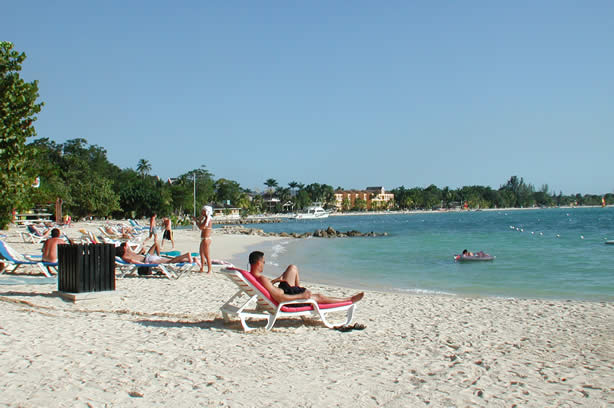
{"type": "Point", "coordinates": [205, 224]}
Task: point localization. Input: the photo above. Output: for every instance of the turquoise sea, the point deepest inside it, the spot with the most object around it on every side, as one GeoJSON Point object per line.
{"type": "Point", "coordinates": [546, 253]}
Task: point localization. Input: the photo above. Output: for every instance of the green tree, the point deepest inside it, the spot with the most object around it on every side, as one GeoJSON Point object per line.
{"type": "Point", "coordinates": [346, 204]}
{"type": "Point", "coordinates": [293, 186]}
{"type": "Point", "coordinates": [202, 180]}
{"type": "Point", "coordinates": [271, 184]}
{"type": "Point", "coordinates": [302, 200]}
{"type": "Point", "coordinates": [143, 167]}
{"type": "Point", "coordinates": [46, 163]}
{"type": "Point", "coordinates": [94, 196]}
{"type": "Point", "coordinates": [18, 108]}
{"type": "Point", "coordinates": [360, 204]}
{"type": "Point", "coordinates": [227, 190]}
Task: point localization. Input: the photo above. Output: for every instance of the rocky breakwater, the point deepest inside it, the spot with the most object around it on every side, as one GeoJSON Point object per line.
{"type": "Point", "coordinates": [227, 221]}
{"type": "Point", "coordinates": [327, 233]}
{"type": "Point", "coordinates": [330, 232]}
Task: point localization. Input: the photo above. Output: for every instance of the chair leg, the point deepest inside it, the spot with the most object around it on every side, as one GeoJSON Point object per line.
{"type": "Point", "coordinates": [44, 270]}
{"type": "Point", "coordinates": [246, 328]}
{"type": "Point", "coordinates": [349, 315]}
{"type": "Point", "coordinates": [271, 322]}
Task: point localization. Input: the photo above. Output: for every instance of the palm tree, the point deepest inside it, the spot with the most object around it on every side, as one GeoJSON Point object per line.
{"type": "Point", "coordinates": [143, 167]}
{"type": "Point", "coordinates": [293, 185]}
{"type": "Point", "coordinates": [271, 183]}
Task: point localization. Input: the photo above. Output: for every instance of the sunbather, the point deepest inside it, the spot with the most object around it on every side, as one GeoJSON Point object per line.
{"type": "Point", "coordinates": [150, 257]}
{"type": "Point", "coordinates": [39, 232]}
{"type": "Point", "coordinates": [50, 248]}
{"type": "Point", "coordinates": [289, 284]}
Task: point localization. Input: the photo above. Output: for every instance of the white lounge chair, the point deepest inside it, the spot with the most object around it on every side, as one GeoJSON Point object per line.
{"type": "Point", "coordinates": [33, 236]}
{"type": "Point", "coordinates": [269, 309]}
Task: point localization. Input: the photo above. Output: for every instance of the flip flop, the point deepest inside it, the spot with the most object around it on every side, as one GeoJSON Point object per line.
{"type": "Point", "coordinates": [355, 326]}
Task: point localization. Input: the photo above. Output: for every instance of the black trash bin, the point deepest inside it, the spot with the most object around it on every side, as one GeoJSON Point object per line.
{"type": "Point", "coordinates": [86, 268]}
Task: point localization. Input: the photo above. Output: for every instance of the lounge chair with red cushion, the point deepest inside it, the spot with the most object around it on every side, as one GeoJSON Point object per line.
{"type": "Point", "coordinates": [268, 308]}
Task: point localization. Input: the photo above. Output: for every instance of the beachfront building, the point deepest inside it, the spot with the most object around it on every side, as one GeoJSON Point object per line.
{"type": "Point", "coordinates": [371, 198]}
{"type": "Point", "coordinates": [223, 211]}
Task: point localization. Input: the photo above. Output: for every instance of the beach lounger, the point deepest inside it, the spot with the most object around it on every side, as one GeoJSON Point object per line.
{"type": "Point", "coordinates": [17, 259]}
{"type": "Point", "coordinates": [215, 263]}
{"type": "Point", "coordinates": [169, 270]}
{"type": "Point", "coordinates": [269, 309]}
{"type": "Point", "coordinates": [31, 235]}
{"type": "Point", "coordinates": [137, 226]}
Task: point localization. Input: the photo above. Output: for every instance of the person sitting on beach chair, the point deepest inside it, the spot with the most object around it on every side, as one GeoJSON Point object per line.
{"type": "Point", "coordinates": [289, 284]}
{"type": "Point", "coordinates": [50, 247]}
{"type": "Point", "coordinates": [150, 257]}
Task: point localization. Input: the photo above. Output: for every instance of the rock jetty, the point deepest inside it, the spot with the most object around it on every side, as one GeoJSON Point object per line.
{"type": "Point", "coordinates": [240, 221]}
{"type": "Point", "coordinates": [327, 233]}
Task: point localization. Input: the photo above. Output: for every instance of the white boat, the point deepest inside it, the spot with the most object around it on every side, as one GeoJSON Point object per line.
{"type": "Point", "coordinates": [313, 212]}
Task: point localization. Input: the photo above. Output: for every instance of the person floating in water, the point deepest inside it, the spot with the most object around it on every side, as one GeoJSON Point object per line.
{"type": "Point", "coordinates": [480, 253]}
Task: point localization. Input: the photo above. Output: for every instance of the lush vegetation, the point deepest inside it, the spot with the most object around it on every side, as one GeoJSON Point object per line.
{"type": "Point", "coordinates": [17, 109]}
{"type": "Point", "coordinates": [89, 185]}
{"type": "Point", "coordinates": [514, 193]}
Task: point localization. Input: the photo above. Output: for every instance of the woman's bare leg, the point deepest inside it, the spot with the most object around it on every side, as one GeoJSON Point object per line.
{"type": "Point", "coordinates": [203, 244]}
{"type": "Point", "coordinates": [208, 255]}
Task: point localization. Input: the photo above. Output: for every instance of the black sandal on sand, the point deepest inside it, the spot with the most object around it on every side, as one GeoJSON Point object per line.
{"type": "Point", "coordinates": [355, 326]}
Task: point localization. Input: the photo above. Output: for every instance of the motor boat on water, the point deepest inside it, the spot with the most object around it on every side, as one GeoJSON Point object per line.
{"type": "Point", "coordinates": [313, 212]}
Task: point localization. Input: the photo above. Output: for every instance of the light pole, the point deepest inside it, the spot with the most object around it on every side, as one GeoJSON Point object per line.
{"type": "Point", "coordinates": [194, 195]}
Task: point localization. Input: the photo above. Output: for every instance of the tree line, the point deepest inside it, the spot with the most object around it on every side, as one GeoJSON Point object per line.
{"type": "Point", "coordinates": [515, 193]}
{"type": "Point", "coordinates": [81, 176]}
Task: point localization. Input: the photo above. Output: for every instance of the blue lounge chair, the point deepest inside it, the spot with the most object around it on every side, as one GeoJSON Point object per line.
{"type": "Point", "coordinates": [169, 270]}
{"type": "Point", "coordinates": [16, 259]}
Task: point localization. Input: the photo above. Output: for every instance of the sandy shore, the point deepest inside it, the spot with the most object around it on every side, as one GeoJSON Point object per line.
{"type": "Point", "coordinates": [159, 342]}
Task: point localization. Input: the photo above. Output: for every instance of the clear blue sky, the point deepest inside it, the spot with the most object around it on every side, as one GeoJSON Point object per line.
{"type": "Point", "coordinates": [350, 94]}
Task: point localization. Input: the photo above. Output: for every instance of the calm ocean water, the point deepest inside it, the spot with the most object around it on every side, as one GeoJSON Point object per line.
{"type": "Point", "coordinates": [547, 254]}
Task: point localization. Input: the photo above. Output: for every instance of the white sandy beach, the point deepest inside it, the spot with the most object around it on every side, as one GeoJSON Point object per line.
{"type": "Point", "coordinates": [161, 342]}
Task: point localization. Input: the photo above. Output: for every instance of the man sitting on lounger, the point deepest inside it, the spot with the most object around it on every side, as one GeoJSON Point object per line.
{"type": "Point", "coordinates": [289, 284]}
{"type": "Point", "coordinates": [150, 257]}
{"type": "Point", "coordinates": [50, 248]}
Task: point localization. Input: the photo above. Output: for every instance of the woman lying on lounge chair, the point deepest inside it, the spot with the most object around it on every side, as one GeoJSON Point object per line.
{"type": "Point", "coordinates": [151, 257]}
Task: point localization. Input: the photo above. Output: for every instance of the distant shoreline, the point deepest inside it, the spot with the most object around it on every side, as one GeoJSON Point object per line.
{"type": "Point", "coordinates": [460, 210]}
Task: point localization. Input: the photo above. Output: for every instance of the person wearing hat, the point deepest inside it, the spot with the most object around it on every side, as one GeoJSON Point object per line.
{"type": "Point", "coordinates": [205, 225]}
